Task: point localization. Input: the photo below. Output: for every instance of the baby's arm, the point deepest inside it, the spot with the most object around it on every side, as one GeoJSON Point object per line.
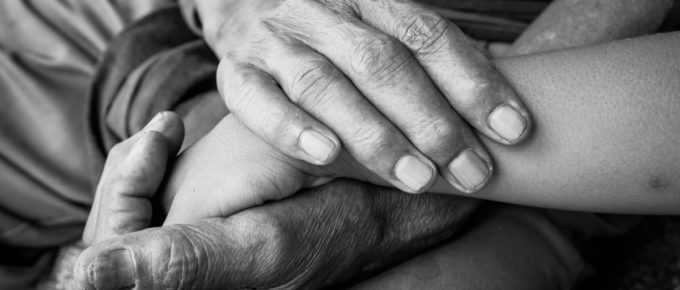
{"type": "Point", "coordinates": [607, 129]}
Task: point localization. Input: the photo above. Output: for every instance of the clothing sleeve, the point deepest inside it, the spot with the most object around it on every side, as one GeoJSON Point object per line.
{"type": "Point", "coordinates": [20, 267]}
{"type": "Point", "coordinates": [143, 72]}
{"type": "Point", "coordinates": [48, 54]}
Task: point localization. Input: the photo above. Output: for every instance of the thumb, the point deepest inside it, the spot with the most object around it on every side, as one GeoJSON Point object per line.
{"type": "Point", "coordinates": [134, 170]}
{"type": "Point", "coordinates": [197, 256]}
{"type": "Point", "coordinates": [169, 125]}
{"type": "Point", "coordinates": [158, 258]}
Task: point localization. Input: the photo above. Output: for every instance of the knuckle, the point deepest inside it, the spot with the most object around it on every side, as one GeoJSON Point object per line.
{"type": "Point", "coordinates": [271, 242]}
{"type": "Point", "coordinates": [123, 184]}
{"type": "Point", "coordinates": [475, 93]}
{"type": "Point", "coordinates": [371, 143]}
{"type": "Point", "coordinates": [313, 86]}
{"type": "Point", "coordinates": [239, 92]}
{"type": "Point", "coordinates": [277, 124]}
{"type": "Point", "coordinates": [264, 237]}
{"type": "Point", "coordinates": [133, 215]}
{"type": "Point", "coordinates": [284, 133]}
{"type": "Point", "coordinates": [422, 32]}
{"type": "Point", "coordinates": [382, 59]}
{"type": "Point", "coordinates": [129, 179]}
{"type": "Point", "coordinates": [438, 138]}
{"type": "Point", "coordinates": [294, 4]}
{"type": "Point", "coordinates": [180, 259]}
{"type": "Point", "coordinates": [345, 8]}
{"type": "Point", "coordinates": [272, 230]}
{"type": "Point", "coordinates": [283, 19]}
{"type": "Point", "coordinates": [290, 11]}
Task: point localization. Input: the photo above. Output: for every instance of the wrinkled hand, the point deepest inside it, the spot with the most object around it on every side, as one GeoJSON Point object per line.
{"type": "Point", "coordinates": [133, 172]}
{"type": "Point", "coordinates": [312, 239]}
{"type": "Point", "coordinates": [387, 79]}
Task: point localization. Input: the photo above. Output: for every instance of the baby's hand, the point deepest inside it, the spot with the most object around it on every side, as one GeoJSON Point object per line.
{"type": "Point", "coordinates": [232, 169]}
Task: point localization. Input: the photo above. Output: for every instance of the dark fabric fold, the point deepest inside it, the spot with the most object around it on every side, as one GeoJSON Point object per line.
{"type": "Point", "coordinates": [152, 66]}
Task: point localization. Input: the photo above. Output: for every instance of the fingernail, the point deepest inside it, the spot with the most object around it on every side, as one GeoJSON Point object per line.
{"type": "Point", "coordinates": [153, 124]}
{"type": "Point", "coordinates": [316, 145]}
{"type": "Point", "coordinates": [413, 172]}
{"type": "Point", "coordinates": [507, 122]}
{"type": "Point", "coordinates": [469, 170]}
{"type": "Point", "coordinates": [112, 270]}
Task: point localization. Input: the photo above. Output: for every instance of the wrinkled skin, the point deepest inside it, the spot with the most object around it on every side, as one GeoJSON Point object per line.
{"type": "Point", "coordinates": [349, 228]}
{"type": "Point", "coordinates": [298, 72]}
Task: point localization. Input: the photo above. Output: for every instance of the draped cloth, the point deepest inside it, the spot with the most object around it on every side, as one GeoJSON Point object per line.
{"type": "Point", "coordinates": [48, 54]}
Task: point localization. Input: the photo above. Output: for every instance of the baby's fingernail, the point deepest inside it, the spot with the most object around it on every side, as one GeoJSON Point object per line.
{"type": "Point", "coordinates": [317, 145]}
{"type": "Point", "coordinates": [154, 124]}
{"type": "Point", "coordinates": [507, 123]}
{"type": "Point", "coordinates": [112, 270]}
{"type": "Point", "coordinates": [413, 172]}
{"type": "Point", "coordinates": [470, 171]}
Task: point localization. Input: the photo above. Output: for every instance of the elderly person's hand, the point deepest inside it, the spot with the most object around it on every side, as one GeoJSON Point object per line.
{"type": "Point", "coordinates": [133, 172]}
{"type": "Point", "coordinates": [316, 238]}
{"type": "Point", "coordinates": [386, 79]}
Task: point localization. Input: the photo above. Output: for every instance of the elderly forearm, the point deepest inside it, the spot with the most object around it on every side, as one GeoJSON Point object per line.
{"type": "Point", "coordinates": [350, 227]}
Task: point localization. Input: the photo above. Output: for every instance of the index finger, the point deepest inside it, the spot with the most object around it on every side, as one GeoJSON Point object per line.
{"type": "Point", "coordinates": [474, 88]}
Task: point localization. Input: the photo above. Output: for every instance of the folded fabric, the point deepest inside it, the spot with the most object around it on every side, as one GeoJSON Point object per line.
{"type": "Point", "coordinates": [48, 54]}
{"type": "Point", "coordinates": [154, 65]}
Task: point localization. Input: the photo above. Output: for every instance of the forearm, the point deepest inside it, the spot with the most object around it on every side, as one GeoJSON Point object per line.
{"type": "Point", "coordinates": [350, 227]}
{"type": "Point", "coordinates": [606, 135]}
